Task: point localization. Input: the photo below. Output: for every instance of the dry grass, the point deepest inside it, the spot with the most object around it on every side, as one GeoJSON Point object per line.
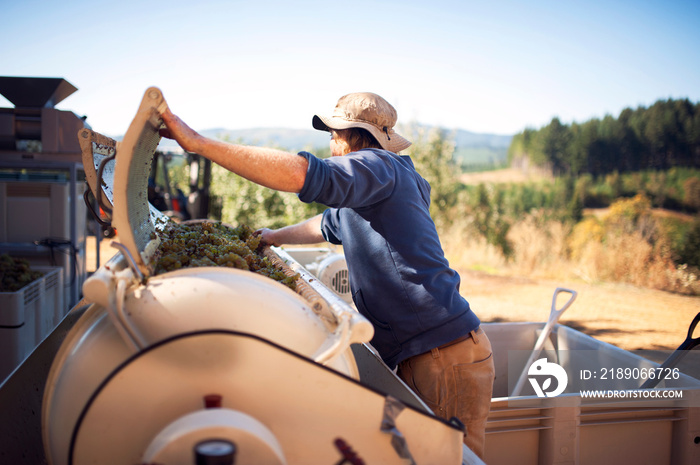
{"type": "Point", "coordinates": [537, 252]}
{"type": "Point", "coordinates": [506, 175]}
{"type": "Point", "coordinates": [611, 250]}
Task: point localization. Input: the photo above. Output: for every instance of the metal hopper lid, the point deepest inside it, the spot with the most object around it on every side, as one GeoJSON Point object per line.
{"type": "Point", "coordinates": [35, 92]}
{"type": "Point", "coordinates": [133, 216]}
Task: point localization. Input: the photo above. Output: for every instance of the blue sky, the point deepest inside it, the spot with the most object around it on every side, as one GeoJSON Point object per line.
{"type": "Point", "coordinates": [495, 67]}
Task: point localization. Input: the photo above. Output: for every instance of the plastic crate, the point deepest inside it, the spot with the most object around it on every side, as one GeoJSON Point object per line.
{"type": "Point", "coordinates": [566, 429]}
{"type": "Point", "coordinates": [27, 316]}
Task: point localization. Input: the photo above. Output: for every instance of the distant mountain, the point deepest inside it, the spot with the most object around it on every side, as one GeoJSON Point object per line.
{"type": "Point", "coordinates": [479, 150]}
{"type": "Point", "coordinates": [470, 148]}
{"type": "Point", "coordinates": [289, 139]}
{"type": "Point", "coordinates": [283, 138]}
{"type": "Point", "coordinates": [472, 139]}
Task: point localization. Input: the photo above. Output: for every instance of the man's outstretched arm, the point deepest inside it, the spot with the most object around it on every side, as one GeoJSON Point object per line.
{"type": "Point", "coordinates": [276, 169]}
{"type": "Point", "coordinates": [306, 232]}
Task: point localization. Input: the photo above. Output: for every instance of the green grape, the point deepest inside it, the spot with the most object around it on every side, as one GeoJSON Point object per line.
{"type": "Point", "coordinates": [15, 273]}
{"type": "Point", "coordinates": [215, 244]}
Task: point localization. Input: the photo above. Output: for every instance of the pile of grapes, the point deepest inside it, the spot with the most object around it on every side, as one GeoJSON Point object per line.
{"type": "Point", "coordinates": [215, 244]}
{"type": "Point", "coordinates": [15, 273]}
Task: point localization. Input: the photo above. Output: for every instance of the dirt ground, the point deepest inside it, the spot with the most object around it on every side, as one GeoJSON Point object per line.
{"type": "Point", "coordinates": [628, 317]}
{"type": "Point", "coordinates": [105, 253]}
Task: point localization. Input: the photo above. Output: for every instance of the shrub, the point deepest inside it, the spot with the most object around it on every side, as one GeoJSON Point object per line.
{"type": "Point", "coordinates": [690, 249]}
{"type": "Point", "coordinates": [628, 245]}
{"type": "Point", "coordinates": [691, 193]}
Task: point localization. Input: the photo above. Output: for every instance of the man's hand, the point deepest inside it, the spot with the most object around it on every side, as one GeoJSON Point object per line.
{"type": "Point", "coordinates": [177, 130]}
{"type": "Point", "coordinates": [306, 232]}
{"type": "Point", "coordinates": [267, 236]}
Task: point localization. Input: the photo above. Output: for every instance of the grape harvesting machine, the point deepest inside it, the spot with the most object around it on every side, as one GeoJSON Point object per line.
{"type": "Point", "coordinates": [222, 365]}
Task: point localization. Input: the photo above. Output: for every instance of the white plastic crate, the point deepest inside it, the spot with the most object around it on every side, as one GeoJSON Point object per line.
{"type": "Point", "coordinates": [566, 429]}
{"type": "Point", "coordinates": [27, 316]}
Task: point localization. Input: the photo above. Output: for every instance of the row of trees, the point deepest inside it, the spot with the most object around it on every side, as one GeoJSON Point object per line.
{"type": "Point", "coordinates": [665, 135]}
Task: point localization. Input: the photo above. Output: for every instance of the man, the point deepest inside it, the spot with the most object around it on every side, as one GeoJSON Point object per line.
{"type": "Point", "coordinates": [400, 279]}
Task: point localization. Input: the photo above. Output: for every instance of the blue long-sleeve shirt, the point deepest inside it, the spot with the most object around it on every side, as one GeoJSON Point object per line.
{"type": "Point", "coordinates": [399, 277]}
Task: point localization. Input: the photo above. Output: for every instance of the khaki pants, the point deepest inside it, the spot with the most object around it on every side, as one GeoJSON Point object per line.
{"type": "Point", "coordinates": [456, 380]}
